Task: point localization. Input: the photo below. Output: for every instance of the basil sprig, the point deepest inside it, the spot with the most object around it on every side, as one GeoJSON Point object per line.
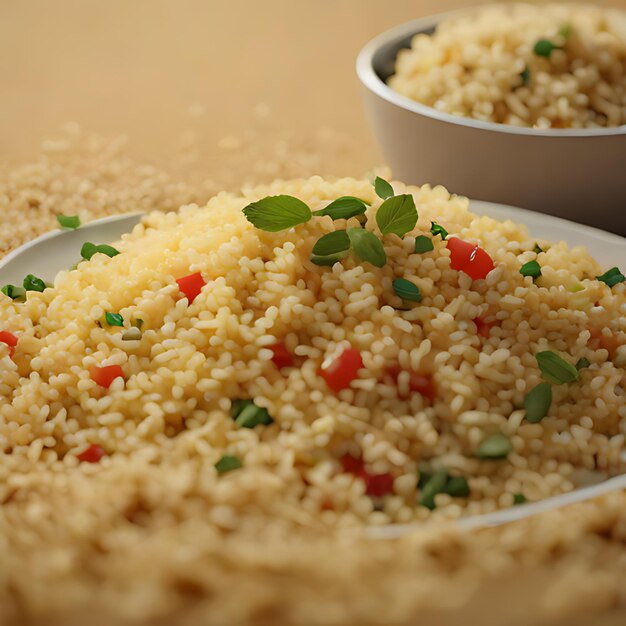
{"type": "Point", "coordinates": [611, 277]}
{"type": "Point", "coordinates": [331, 248]}
{"type": "Point", "coordinates": [397, 215]}
{"type": "Point", "coordinates": [276, 213]}
{"type": "Point", "coordinates": [382, 188]}
{"type": "Point", "coordinates": [554, 369]}
{"type": "Point", "coordinates": [367, 246]}
{"type": "Point", "coordinates": [343, 208]}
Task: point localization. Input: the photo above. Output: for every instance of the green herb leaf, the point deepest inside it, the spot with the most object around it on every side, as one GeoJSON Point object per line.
{"type": "Point", "coordinates": [423, 244]}
{"type": "Point", "coordinates": [367, 246]}
{"type": "Point", "coordinates": [382, 188]}
{"type": "Point", "coordinates": [612, 277]}
{"type": "Point", "coordinates": [495, 447]}
{"type": "Point", "coordinates": [438, 229]}
{"type": "Point", "coordinates": [89, 249]}
{"type": "Point", "coordinates": [566, 30]}
{"type": "Point", "coordinates": [582, 363]}
{"type": "Point", "coordinates": [114, 319]}
{"type": "Point", "coordinates": [436, 484]}
{"type": "Point", "coordinates": [531, 268]}
{"type": "Point", "coordinates": [406, 290]}
{"type": "Point", "coordinates": [343, 208]}
{"type": "Point", "coordinates": [397, 215]}
{"type": "Point", "coordinates": [227, 464]}
{"type": "Point", "coordinates": [248, 415]}
{"type": "Point", "coordinates": [138, 323]}
{"type": "Point", "coordinates": [32, 283]}
{"type": "Point", "coordinates": [14, 292]}
{"type": "Point", "coordinates": [276, 213]}
{"type": "Point", "coordinates": [457, 487]}
{"type": "Point", "coordinates": [69, 221]}
{"type": "Point", "coordinates": [519, 498]}
{"type": "Point", "coordinates": [537, 248]}
{"type": "Point", "coordinates": [554, 369]}
{"type": "Point", "coordinates": [544, 48]}
{"type": "Point", "coordinates": [537, 402]}
{"type": "Point", "coordinates": [331, 248]}
{"type": "Point", "coordinates": [525, 75]}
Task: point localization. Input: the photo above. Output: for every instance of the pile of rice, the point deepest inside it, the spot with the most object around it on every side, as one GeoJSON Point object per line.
{"type": "Point", "coordinates": [169, 423]}
{"type": "Point", "coordinates": [484, 66]}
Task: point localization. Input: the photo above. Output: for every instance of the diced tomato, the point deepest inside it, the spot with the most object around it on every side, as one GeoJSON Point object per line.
{"type": "Point", "coordinates": [281, 356]}
{"type": "Point", "coordinates": [599, 340]}
{"type": "Point", "coordinates": [469, 258]}
{"type": "Point", "coordinates": [104, 376]}
{"type": "Point", "coordinates": [343, 370]}
{"type": "Point", "coordinates": [191, 285]}
{"type": "Point", "coordinates": [376, 485]}
{"type": "Point", "coordinates": [483, 328]}
{"type": "Point", "coordinates": [91, 454]}
{"type": "Point", "coordinates": [10, 339]}
{"type": "Point", "coordinates": [418, 383]}
{"type": "Point", "coordinates": [351, 465]}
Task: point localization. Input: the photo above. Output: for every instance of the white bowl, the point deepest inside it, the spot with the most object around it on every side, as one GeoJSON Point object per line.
{"type": "Point", "coordinates": [576, 174]}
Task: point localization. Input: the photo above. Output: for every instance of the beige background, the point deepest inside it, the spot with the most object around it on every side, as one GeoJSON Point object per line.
{"type": "Point", "coordinates": [158, 70]}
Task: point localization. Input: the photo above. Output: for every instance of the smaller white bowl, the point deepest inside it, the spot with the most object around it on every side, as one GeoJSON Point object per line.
{"type": "Point", "coordinates": [576, 174]}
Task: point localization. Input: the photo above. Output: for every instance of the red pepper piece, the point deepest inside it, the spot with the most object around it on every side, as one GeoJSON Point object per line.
{"type": "Point", "coordinates": [92, 454]}
{"type": "Point", "coordinates": [599, 340]}
{"type": "Point", "coordinates": [104, 376]}
{"type": "Point", "coordinates": [483, 328]}
{"type": "Point", "coordinates": [418, 383]}
{"type": "Point", "coordinates": [10, 339]}
{"type": "Point", "coordinates": [378, 485]}
{"type": "Point", "coordinates": [469, 258]}
{"type": "Point", "coordinates": [351, 465]}
{"type": "Point", "coordinates": [191, 285]}
{"type": "Point", "coordinates": [281, 356]}
{"type": "Point", "coordinates": [343, 370]}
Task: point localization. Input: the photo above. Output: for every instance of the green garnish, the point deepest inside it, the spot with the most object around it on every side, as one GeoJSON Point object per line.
{"type": "Point", "coordinates": [331, 248]}
{"type": "Point", "coordinates": [69, 221]}
{"type": "Point", "coordinates": [32, 283]}
{"type": "Point", "coordinates": [531, 268]}
{"type": "Point", "coordinates": [457, 487]}
{"type": "Point", "coordinates": [248, 415]}
{"type": "Point", "coordinates": [495, 447]}
{"type": "Point", "coordinates": [566, 30]}
{"type": "Point", "coordinates": [438, 229]}
{"type": "Point", "coordinates": [435, 484]}
{"type": "Point", "coordinates": [525, 75]}
{"type": "Point", "coordinates": [382, 188]}
{"type": "Point", "coordinates": [537, 402]}
{"type": "Point", "coordinates": [367, 246]}
{"type": "Point", "coordinates": [406, 290]}
{"type": "Point", "coordinates": [519, 498]}
{"type": "Point", "coordinates": [612, 277]}
{"type": "Point", "coordinates": [554, 369]}
{"type": "Point", "coordinates": [114, 319]}
{"type": "Point", "coordinates": [343, 208]}
{"type": "Point", "coordinates": [228, 463]}
{"type": "Point", "coordinates": [397, 215]}
{"type": "Point", "coordinates": [89, 249]}
{"type": "Point", "coordinates": [14, 292]}
{"type": "Point", "coordinates": [544, 48]}
{"type": "Point", "coordinates": [537, 248]}
{"type": "Point", "coordinates": [276, 213]}
{"type": "Point", "coordinates": [424, 244]}
{"type": "Point", "coordinates": [582, 363]}
{"type": "Point", "coordinates": [138, 323]}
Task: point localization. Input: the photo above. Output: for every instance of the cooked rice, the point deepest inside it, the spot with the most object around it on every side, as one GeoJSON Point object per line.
{"type": "Point", "coordinates": [194, 360]}
{"type": "Point", "coordinates": [472, 66]}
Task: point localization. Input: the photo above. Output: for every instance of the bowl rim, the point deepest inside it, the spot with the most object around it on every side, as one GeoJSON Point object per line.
{"type": "Point", "coordinates": [372, 81]}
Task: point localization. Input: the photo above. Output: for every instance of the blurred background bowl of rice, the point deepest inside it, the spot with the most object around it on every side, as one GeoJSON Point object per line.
{"type": "Point", "coordinates": [573, 169]}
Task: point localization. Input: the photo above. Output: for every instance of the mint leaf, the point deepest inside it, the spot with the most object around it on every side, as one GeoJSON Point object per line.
{"type": "Point", "coordinates": [397, 215]}
{"type": "Point", "coordinates": [367, 246]}
{"type": "Point", "coordinates": [382, 188]}
{"type": "Point", "coordinates": [276, 213]}
{"type": "Point", "coordinates": [343, 208]}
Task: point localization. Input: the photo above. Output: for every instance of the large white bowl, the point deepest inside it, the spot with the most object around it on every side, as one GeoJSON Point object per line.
{"type": "Point", "coordinates": [576, 174]}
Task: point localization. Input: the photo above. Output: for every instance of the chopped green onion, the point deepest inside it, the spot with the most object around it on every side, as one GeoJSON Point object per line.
{"type": "Point", "coordinates": [537, 248]}
{"type": "Point", "coordinates": [114, 319]}
{"type": "Point", "coordinates": [495, 447]}
{"type": "Point", "coordinates": [32, 283]}
{"type": "Point", "coordinates": [14, 292]}
{"type": "Point", "coordinates": [276, 213]}
{"type": "Point", "coordinates": [537, 402]}
{"type": "Point", "coordinates": [582, 363]}
{"type": "Point", "coordinates": [457, 487]}
{"type": "Point", "coordinates": [367, 246]}
{"type": "Point", "coordinates": [435, 484]}
{"type": "Point", "coordinates": [248, 415]}
{"type": "Point", "coordinates": [228, 463]}
{"type": "Point", "coordinates": [69, 221]}
{"type": "Point", "coordinates": [566, 30]}
{"type": "Point", "coordinates": [438, 229]}
{"type": "Point", "coordinates": [89, 249]}
{"type": "Point", "coordinates": [544, 48]}
{"type": "Point", "coordinates": [343, 208]}
{"type": "Point", "coordinates": [331, 248]}
{"type": "Point", "coordinates": [423, 244]}
{"type": "Point", "coordinates": [382, 188]}
{"type": "Point", "coordinates": [525, 75]}
{"type": "Point", "coordinates": [532, 269]}
{"type": "Point", "coordinates": [554, 369]}
{"type": "Point", "coordinates": [138, 323]}
{"type": "Point", "coordinates": [519, 498]}
{"type": "Point", "coordinates": [406, 290]}
{"type": "Point", "coordinates": [612, 277]}
{"type": "Point", "coordinates": [397, 215]}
